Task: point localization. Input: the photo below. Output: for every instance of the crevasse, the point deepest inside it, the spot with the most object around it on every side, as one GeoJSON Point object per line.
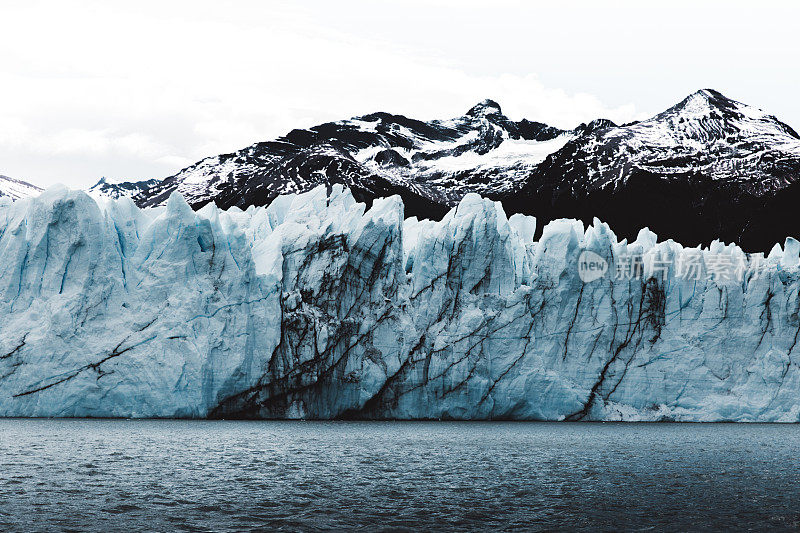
{"type": "Point", "coordinates": [316, 307]}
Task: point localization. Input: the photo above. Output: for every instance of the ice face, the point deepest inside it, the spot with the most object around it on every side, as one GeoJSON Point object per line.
{"type": "Point", "coordinates": [318, 307]}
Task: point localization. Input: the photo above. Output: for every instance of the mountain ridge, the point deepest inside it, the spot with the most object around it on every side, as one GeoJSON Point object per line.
{"type": "Point", "coordinates": [707, 167]}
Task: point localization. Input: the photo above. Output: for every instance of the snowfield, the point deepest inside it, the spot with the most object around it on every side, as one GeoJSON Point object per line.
{"type": "Point", "coordinates": [315, 307]}
{"type": "Point", "coordinates": [16, 189]}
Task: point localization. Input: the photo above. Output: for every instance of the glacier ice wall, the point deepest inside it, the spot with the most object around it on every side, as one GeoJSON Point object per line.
{"type": "Point", "coordinates": [316, 307]}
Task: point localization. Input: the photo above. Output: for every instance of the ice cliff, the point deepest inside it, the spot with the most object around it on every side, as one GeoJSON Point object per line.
{"type": "Point", "coordinates": [316, 307]}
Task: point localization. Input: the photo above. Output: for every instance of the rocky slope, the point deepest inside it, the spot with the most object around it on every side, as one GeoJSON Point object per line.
{"type": "Point", "coordinates": [318, 307]}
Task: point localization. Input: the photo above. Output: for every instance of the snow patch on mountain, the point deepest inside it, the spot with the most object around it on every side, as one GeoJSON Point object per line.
{"type": "Point", "coordinates": [510, 153]}
{"type": "Point", "coordinates": [16, 189]}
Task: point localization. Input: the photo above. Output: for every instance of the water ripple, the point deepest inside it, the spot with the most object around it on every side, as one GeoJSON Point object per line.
{"type": "Point", "coordinates": [312, 476]}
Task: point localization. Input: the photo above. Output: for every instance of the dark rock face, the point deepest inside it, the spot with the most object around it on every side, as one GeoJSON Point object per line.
{"type": "Point", "coordinates": [391, 158]}
{"type": "Point", "coordinates": [706, 168]}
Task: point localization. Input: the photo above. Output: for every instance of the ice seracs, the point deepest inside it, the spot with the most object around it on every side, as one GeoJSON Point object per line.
{"type": "Point", "coordinates": [320, 307]}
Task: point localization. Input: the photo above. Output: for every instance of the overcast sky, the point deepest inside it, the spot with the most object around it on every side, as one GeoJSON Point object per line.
{"type": "Point", "coordinates": [135, 90]}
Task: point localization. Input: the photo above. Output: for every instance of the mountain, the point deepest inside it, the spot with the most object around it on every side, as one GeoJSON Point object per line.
{"type": "Point", "coordinates": [317, 307]}
{"type": "Point", "coordinates": [708, 167]}
{"type": "Point", "coordinates": [16, 189]}
{"type": "Point", "coordinates": [109, 189]}
{"type": "Point", "coordinates": [431, 165]}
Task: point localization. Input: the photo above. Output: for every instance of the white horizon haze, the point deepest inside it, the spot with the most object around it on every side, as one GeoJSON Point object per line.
{"type": "Point", "coordinates": [132, 91]}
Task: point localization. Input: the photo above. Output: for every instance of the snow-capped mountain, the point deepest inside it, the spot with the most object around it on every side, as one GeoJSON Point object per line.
{"type": "Point", "coordinates": [708, 167]}
{"type": "Point", "coordinates": [706, 132]}
{"type": "Point", "coordinates": [430, 164]}
{"type": "Point", "coordinates": [110, 189]}
{"type": "Point", "coordinates": [16, 189]}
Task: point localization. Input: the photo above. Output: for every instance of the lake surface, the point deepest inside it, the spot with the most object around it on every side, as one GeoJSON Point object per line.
{"type": "Point", "coordinates": [233, 476]}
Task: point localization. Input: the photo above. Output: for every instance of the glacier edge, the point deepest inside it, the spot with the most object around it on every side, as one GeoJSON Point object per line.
{"type": "Point", "coordinates": [316, 307]}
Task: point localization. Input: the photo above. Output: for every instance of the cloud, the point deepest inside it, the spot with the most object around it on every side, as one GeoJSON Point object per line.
{"type": "Point", "coordinates": [139, 91]}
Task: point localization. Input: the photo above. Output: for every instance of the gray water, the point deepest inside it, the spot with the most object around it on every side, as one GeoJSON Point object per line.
{"type": "Point", "coordinates": [233, 476]}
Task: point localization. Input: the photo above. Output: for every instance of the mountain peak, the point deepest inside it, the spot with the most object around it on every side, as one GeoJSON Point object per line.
{"type": "Point", "coordinates": [486, 107]}
{"type": "Point", "coordinates": [705, 101]}
{"type": "Point", "coordinates": [595, 125]}
{"type": "Point", "coordinates": [709, 94]}
{"type": "Point", "coordinates": [713, 97]}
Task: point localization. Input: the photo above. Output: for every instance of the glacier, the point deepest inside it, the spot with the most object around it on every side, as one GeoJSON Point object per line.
{"type": "Point", "coordinates": [317, 307]}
